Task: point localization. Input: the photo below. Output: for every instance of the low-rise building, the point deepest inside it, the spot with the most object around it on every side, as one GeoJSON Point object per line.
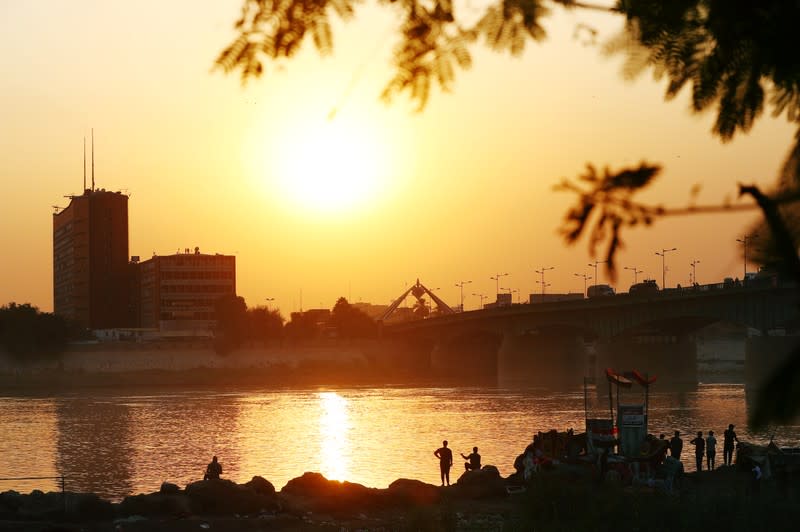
{"type": "Point", "coordinates": [179, 292]}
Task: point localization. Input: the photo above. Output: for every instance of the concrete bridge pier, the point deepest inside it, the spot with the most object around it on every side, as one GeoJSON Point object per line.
{"type": "Point", "coordinates": [672, 358]}
{"type": "Point", "coordinates": [468, 358]}
{"type": "Point", "coordinates": [764, 355]}
{"type": "Point", "coordinates": [550, 360]}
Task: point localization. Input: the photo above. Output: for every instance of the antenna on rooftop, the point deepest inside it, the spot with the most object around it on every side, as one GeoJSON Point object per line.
{"type": "Point", "coordinates": [84, 163]}
{"type": "Point", "coordinates": [92, 159]}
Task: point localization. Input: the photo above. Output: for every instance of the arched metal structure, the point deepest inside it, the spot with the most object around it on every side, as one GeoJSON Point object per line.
{"type": "Point", "coordinates": [417, 290]}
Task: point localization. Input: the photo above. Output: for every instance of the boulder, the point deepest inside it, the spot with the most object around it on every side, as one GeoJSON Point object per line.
{"type": "Point", "coordinates": [164, 504]}
{"type": "Point", "coordinates": [313, 492]}
{"type": "Point", "coordinates": [480, 484]}
{"type": "Point", "coordinates": [406, 492]}
{"type": "Point", "coordinates": [167, 488]}
{"type": "Point", "coordinates": [54, 505]}
{"type": "Point", "coordinates": [227, 497]}
{"type": "Point", "coordinates": [261, 485]}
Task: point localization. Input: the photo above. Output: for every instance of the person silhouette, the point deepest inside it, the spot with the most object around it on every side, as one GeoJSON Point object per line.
{"type": "Point", "coordinates": [445, 457]}
{"type": "Point", "coordinates": [213, 470]}
{"type": "Point", "coordinates": [728, 438]}
{"type": "Point", "coordinates": [711, 450]}
{"type": "Point", "coordinates": [474, 460]}
{"type": "Point", "coordinates": [699, 450]}
{"type": "Point", "coordinates": [676, 445]}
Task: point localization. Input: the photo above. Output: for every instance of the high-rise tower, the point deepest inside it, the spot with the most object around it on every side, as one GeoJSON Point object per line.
{"type": "Point", "coordinates": [90, 260]}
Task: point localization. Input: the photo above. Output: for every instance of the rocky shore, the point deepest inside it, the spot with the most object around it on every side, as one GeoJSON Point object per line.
{"type": "Point", "coordinates": [479, 500]}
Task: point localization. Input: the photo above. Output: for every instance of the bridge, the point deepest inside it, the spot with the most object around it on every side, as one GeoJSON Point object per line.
{"type": "Point", "coordinates": [561, 341]}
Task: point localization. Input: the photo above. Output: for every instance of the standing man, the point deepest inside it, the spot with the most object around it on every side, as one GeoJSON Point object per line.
{"type": "Point", "coordinates": [711, 450]}
{"type": "Point", "coordinates": [445, 457]}
{"type": "Point", "coordinates": [728, 438]}
{"type": "Point", "coordinates": [699, 450]}
{"type": "Point", "coordinates": [676, 445]}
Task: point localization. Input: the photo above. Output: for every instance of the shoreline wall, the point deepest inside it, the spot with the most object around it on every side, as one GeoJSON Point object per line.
{"type": "Point", "coordinates": [124, 358]}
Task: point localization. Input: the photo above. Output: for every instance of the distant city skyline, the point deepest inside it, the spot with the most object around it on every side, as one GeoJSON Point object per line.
{"type": "Point", "coordinates": [363, 204]}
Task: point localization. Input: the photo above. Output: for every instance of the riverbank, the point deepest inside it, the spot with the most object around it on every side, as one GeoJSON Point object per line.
{"type": "Point", "coordinates": [556, 500]}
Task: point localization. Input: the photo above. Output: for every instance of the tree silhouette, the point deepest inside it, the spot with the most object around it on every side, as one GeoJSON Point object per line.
{"type": "Point", "coordinates": [737, 58]}
{"type": "Point", "coordinates": [350, 322]}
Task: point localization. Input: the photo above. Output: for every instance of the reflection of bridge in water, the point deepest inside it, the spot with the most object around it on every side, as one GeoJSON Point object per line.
{"type": "Point", "coordinates": [558, 342]}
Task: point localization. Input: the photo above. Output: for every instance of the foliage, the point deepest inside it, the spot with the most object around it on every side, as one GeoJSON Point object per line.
{"type": "Point", "coordinates": [231, 314]}
{"type": "Point", "coordinates": [264, 325]}
{"type": "Point", "coordinates": [26, 332]}
{"type": "Point", "coordinates": [301, 327]}
{"type": "Point", "coordinates": [350, 322]}
{"type": "Point", "coordinates": [236, 324]}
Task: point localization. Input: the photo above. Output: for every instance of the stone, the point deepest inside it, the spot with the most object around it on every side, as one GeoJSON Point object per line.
{"type": "Point", "coordinates": [313, 492]}
{"type": "Point", "coordinates": [168, 488]}
{"type": "Point", "coordinates": [480, 484]}
{"type": "Point", "coordinates": [407, 492]}
{"type": "Point", "coordinates": [261, 485]}
{"type": "Point", "coordinates": [164, 504]}
{"type": "Point", "coordinates": [226, 497]}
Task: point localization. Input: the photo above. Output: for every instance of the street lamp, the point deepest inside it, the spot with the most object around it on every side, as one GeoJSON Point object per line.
{"type": "Point", "coordinates": [596, 262]}
{"type": "Point", "coordinates": [497, 278]}
{"type": "Point", "coordinates": [744, 240]}
{"type": "Point", "coordinates": [268, 301]}
{"type": "Point", "coordinates": [541, 272]}
{"type": "Point", "coordinates": [461, 284]}
{"type": "Point", "coordinates": [635, 273]}
{"type": "Point", "coordinates": [481, 296]}
{"type": "Point", "coordinates": [585, 278]}
{"type": "Point", "coordinates": [694, 264]}
{"type": "Point", "coordinates": [517, 291]}
{"type": "Point", "coordinates": [663, 255]}
{"type": "Point", "coordinates": [432, 290]}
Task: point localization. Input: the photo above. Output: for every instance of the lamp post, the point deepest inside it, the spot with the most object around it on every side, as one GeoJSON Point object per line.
{"type": "Point", "coordinates": [461, 284]}
{"type": "Point", "coordinates": [432, 290]}
{"type": "Point", "coordinates": [497, 279]}
{"type": "Point", "coordinates": [517, 291]}
{"type": "Point", "coordinates": [594, 265]}
{"type": "Point", "coordinates": [585, 278]}
{"type": "Point", "coordinates": [635, 274]}
{"type": "Point", "coordinates": [482, 298]}
{"type": "Point", "coordinates": [541, 272]}
{"type": "Point", "coordinates": [268, 301]}
{"type": "Point", "coordinates": [744, 240]}
{"type": "Point", "coordinates": [694, 264]}
{"type": "Point", "coordinates": [663, 255]}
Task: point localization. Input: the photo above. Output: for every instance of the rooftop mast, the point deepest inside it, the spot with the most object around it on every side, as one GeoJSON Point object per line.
{"type": "Point", "coordinates": [92, 159]}
{"type": "Point", "coordinates": [84, 163]}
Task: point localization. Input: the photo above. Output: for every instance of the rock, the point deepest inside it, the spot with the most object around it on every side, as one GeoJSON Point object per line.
{"type": "Point", "coordinates": [170, 504]}
{"type": "Point", "coordinates": [227, 497]}
{"type": "Point", "coordinates": [480, 484]}
{"type": "Point", "coordinates": [167, 488]}
{"type": "Point", "coordinates": [88, 506]}
{"type": "Point", "coordinates": [406, 492]}
{"type": "Point", "coordinates": [313, 492]}
{"type": "Point", "coordinates": [261, 485]}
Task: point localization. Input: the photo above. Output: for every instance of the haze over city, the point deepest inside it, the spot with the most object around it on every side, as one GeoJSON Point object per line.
{"type": "Point", "coordinates": [321, 189]}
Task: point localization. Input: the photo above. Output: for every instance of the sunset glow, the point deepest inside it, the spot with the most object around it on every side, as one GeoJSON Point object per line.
{"type": "Point", "coordinates": [334, 425]}
{"type": "Point", "coordinates": [330, 168]}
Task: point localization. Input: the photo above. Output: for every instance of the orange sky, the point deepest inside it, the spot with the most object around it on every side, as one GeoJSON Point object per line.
{"type": "Point", "coordinates": [460, 192]}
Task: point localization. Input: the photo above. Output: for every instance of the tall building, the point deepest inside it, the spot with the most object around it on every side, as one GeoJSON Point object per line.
{"type": "Point", "coordinates": [178, 292]}
{"type": "Point", "coordinates": [91, 283]}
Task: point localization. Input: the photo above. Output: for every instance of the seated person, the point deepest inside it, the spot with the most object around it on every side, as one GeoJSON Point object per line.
{"type": "Point", "coordinates": [474, 460]}
{"type": "Point", "coordinates": [213, 470]}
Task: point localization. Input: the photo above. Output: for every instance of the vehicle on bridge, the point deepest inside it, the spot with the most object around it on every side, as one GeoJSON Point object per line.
{"type": "Point", "coordinates": [599, 290]}
{"type": "Point", "coordinates": [648, 286]}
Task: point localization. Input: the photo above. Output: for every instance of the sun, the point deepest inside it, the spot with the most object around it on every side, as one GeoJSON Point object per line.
{"type": "Point", "coordinates": [330, 168]}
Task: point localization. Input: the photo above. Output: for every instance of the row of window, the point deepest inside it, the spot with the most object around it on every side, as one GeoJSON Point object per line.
{"type": "Point", "coordinates": [196, 289]}
{"type": "Point", "coordinates": [203, 274]}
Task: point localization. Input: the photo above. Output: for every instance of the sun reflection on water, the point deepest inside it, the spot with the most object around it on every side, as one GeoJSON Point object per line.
{"type": "Point", "coordinates": [334, 427]}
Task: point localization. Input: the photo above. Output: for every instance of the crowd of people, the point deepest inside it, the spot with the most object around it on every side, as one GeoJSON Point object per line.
{"type": "Point", "coordinates": [706, 448]}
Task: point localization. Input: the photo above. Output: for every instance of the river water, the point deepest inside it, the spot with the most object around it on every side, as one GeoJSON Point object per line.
{"type": "Point", "coordinates": [121, 442]}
